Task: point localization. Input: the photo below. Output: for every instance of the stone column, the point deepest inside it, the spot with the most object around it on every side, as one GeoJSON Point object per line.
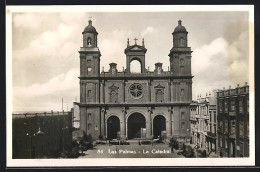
{"type": "Point", "coordinates": [169, 90]}
{"type": "Point", "coordinates": [84, 93]}
{"type": "Point", "coordinates": [149, 123]}
{"type": "Point", "coordinates": [104, 93]}
{"type": "Point", "coordinates": [102, 119]}
{"type": "Point", "coordinates": [172, 91]}
{"type": "Point", "coordinates": [122, 125]}
{"type": "Point", "coordinates": [149, 90]}
{"type": "Point", "coordinates": [101, 92]}
{"type": "Point", "coordinates": [169, 128]}
{"type": "Point", "coordinates": [123, 90]}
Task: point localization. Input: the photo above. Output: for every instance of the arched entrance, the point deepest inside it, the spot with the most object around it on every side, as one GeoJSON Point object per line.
{"type": "Point", "coordinates": [136, 125]}
{"type": "Point", "coordinates": [159, 124]}
{"type": "Point", "coordinates": [113, 126]}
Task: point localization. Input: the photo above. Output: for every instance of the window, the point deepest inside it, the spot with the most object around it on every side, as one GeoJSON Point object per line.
{"type": "Point", "coordinates": [215, 116]}
{"type": "Point", "coordinates": [183, 125]}
{"type": "Point", "coordinates": [181, 69]}
{"type": "Point", "coordinates": [89, 41]}
{"type": "Point", "coordinates": [226, 126]}
{"type": "Point", "coordinates": [233, 128]}
{"type": "Point", "coordinates": [159, 95]}
{"type": "Point", "coordinates": [88, 61]}
{"type": "Point", "coordinates": [89, 69]}
{"type": "Point", "coordinates": [226, 143]}
{"type": "Point", "coordinates": [220, 126]}
{"type": "Point", "coordinates": [241, 105]}
{"type": "Point", "coordinates": [226, 105]}
{"type": "Point", "coordinates": [181, 41]}
{"type": "Point", "coordinates": [182, 93]}
{"type": "Point", "coordinates": [220, 106]}
{"type": "Point", "coordinates": [210, 116]}
{"type": "Point", "coordinates": [136, 91]}
{"type": "Point", "coordinates": [89, 116]}
{"type": "Point", "coordinates": [220, 141]}
{"type": "Point", "coordinates": [182, 115]}
{"type": "Point", "coordinates": [89, 126]}
{"type": "Point", "coordinates": [241, 129]}
{"type": "Point", "coordinates": [232, 104]}
{"type": "Point", "coordinates": [96, 127]}
{"type": "Point", "coordinates": [89, 92]}
{"type": "Point", "coordinates": [113, 96]}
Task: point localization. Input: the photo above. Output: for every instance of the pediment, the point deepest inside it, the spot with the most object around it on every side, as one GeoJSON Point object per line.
{"type": "Point", "coordinates": [113, 87]}
{"type": "Point", "coordinates": [159, 86]}
{"type": "Point", "coordinates": [136, 48]}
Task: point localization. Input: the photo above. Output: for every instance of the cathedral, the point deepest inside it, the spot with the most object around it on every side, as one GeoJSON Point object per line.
{"type": "Point", "coordinates": [121, 104]}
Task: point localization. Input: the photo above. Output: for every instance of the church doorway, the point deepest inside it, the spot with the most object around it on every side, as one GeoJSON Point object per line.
{"type": "Point", "coordinates": [159, 125]}
{"type": "Point", "coordinates": [113, 127]}
{"type": "Point", "coordinates": [136, 126]}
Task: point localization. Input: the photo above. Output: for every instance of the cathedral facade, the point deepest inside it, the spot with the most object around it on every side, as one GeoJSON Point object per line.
{"type": "Point", "coordinates": [149, 104]}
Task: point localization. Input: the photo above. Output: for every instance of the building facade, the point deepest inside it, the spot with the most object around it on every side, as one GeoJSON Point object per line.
{"type": "Point", "coordinates": [203, 119]}
{"type": "Point", "coordinates": [41, 135]}
{"type": "Point", "coordinates": [233, 121]}
{"type": "Point", "coordinates": [135, 105]}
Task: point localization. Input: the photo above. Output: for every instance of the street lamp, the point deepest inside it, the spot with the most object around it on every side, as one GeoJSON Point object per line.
{"type": "Point", "coordinates": [40, 133]}
{"type": "Point", "coordinates": [63, 137]}
{"type": "Point", "coordinates": [30, 136]}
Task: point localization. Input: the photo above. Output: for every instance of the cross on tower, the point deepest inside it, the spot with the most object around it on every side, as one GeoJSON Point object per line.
{"type": "Point", "coordinates": [135, 40]}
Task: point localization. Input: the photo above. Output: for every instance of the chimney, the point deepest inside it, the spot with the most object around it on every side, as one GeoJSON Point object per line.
{"type": "Point", "coordinates": [245, 83]}
{"type": "Point", "coordinates": [237, 85]}
{"type": "Point", "coordinates": [223, 88]}
{"type": "Point", "coordinates": [230, 87]}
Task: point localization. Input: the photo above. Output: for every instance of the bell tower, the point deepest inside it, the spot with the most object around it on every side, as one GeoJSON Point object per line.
{"type": "Point", "coordinates": [89, 64]}
{"type": "Point", "coordinates": [180, 54]}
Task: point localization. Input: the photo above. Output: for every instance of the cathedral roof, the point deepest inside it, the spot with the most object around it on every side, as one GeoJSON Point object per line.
{"type": "Point", "coordinates": [90, 28]}
{"type": "Point", "coordinates": [180, 28]}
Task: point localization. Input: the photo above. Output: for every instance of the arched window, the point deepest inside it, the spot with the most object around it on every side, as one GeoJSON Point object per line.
{"type": "Point", "coordinates": [181, 41]}
{"type": "Point", "coordinates": [135, 67]}
{"type": "Point", "coordinates": [89, 42]}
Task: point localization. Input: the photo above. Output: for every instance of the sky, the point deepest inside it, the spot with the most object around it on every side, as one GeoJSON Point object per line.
{"type": "Point", "coordinates": [45, 61]}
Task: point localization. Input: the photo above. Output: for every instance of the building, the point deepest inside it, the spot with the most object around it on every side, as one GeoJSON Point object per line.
{"type": "Point", "coordinates": [41, 135]}
{"type": "Point", "coordinates": [203, 119]}
{"type": "Point", "coordinates": [135, 105]}
{"type": "Point", "coordinates": [233, 121]}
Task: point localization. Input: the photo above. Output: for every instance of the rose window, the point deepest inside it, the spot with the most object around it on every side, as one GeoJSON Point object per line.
{"type": "Point", "coordinates": [136, 90]}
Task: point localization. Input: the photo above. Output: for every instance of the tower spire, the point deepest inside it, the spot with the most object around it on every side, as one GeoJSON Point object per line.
{"type": "Point", "coordinates": [127, 42]}
{"type": "Point", "coordinates": [143, 42]}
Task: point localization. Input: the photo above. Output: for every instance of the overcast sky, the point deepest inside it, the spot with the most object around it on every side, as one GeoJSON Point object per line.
{"type": "Point", "coordinates": [46, 59]}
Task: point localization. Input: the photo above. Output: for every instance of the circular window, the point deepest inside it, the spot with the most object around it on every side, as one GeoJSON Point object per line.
{"type": "Point", "coordinates": [136, 90]}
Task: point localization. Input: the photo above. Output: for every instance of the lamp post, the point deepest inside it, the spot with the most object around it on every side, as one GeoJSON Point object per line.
{"type": "Point", "coordinates": [63, 138]}
{"type": "Point", "coordinates": [40, 134]}
{"type": "Point", "coordinates": [31, 152]}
